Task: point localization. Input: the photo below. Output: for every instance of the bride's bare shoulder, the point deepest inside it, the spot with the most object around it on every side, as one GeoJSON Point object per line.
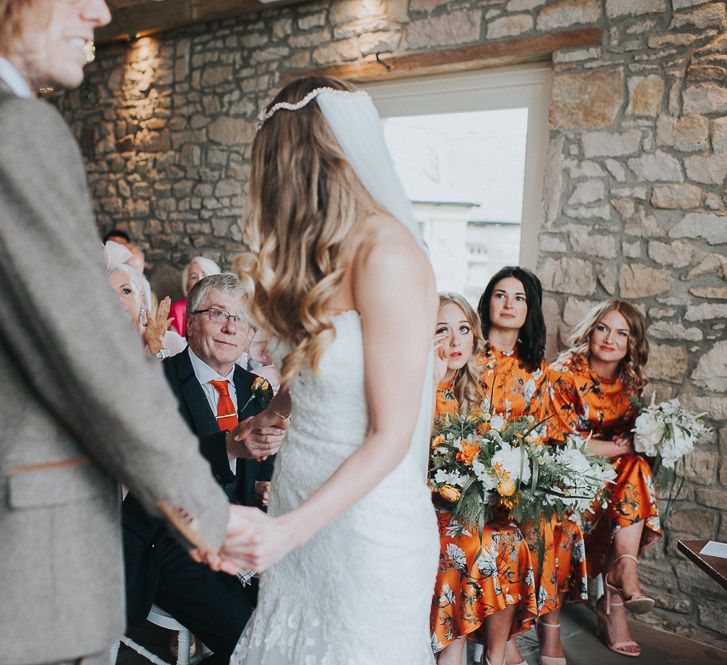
{"type": "Point", "coordinates": [382, 239]}
{"type": "Point", "coordinates": [388, 258]}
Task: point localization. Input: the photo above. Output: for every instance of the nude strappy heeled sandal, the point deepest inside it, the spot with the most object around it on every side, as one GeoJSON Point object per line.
{"type": "Point", "coordinates": [637, 603]}
{"type": "Point", "coordinates": [616, 647]}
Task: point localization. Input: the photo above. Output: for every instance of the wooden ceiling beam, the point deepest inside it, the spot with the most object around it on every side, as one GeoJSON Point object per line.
{"type": "Point", "coordinates": [537, 48]}
{"type": "Point", "coordinates": [137, 17]}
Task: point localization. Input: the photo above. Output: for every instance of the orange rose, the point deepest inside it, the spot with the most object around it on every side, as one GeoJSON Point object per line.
{"type": "Point", "coordinates": [468, 453]}
{"type": "Point", "coordinates": [259, 384]}
{"type": "Point", "coordinates": [437, 440]}
{"type": "Point", "coordinates": [449, 493]}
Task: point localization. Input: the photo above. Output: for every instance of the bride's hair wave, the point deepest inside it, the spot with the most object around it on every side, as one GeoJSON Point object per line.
{"type": "Point", "coordinates": [305, 203]}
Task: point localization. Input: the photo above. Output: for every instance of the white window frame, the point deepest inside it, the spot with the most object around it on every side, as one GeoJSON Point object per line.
{"type": "Point", "coordinates": [523, 86]}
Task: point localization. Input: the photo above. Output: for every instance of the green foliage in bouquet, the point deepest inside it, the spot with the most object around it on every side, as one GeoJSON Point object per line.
{"type": "Point", "coordinates": [486, 465]}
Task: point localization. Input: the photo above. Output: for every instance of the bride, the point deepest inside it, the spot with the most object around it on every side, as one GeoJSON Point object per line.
{"type": "Point", "coordinates": [350, 545]}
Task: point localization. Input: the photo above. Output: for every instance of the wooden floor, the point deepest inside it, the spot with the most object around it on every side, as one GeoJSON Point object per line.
{"type": "Point", "coordinates": [581, 645]}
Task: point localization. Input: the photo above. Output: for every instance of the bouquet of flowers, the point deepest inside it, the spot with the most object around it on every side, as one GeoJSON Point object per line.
{"type": "Point", "coordinates": [483, 464]}
{"type": "Point", "coordinates": [667, 432]}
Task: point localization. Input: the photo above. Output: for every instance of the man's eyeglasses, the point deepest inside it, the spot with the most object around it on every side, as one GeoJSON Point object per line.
{"type": "Point", "coordinates": [219, 315]}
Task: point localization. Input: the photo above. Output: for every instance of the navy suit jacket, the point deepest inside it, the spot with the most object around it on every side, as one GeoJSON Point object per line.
{"type": "Point", "coordinates": [195, 409]}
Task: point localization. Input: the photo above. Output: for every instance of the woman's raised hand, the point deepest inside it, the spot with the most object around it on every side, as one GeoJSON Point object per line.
{"type": "Point", "coordinates": [157, 327]}
{"type": "Point", "coordinates": [440, 358]}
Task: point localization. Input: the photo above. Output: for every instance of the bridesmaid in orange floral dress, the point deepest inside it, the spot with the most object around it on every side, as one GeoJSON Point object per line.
{"type": "Point", "coordinates": [592, 386]}
{"type": "Point", "coordinates": [483, 585]}
{"type": "Point", "coordinates": [514, 381]}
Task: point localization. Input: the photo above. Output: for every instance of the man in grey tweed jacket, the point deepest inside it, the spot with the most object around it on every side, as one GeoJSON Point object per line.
{"type": "Point", "coordinates": [80, 405]}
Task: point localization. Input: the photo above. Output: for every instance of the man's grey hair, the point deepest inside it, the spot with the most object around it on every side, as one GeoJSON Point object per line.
{"type": "Point", "coordinates": [225, 282]}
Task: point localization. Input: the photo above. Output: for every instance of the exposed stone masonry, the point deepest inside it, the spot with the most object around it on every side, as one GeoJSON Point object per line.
{"type": "Point", "coordinates": [635, 201]}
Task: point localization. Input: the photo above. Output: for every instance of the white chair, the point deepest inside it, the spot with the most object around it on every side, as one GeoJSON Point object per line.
{"type": "Point", "coordinates": [160, 618]}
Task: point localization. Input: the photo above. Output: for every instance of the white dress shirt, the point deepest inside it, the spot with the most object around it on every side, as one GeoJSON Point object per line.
{"type": "Point", "coordinates": [205, 374]}
{"type": "Point", "coordinates": [14, 79]}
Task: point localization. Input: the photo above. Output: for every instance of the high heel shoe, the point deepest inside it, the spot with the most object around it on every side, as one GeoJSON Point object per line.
{"type": "Point", "coordinates": [551, 660]}
{"type": "Point", "coordinates": [637, 602]}
{"type": "Point", "coordinates": [616, 647]}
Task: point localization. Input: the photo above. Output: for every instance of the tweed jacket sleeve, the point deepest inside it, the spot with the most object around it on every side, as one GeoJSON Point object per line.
{"type": "Point", "coordinates": [79, 365]}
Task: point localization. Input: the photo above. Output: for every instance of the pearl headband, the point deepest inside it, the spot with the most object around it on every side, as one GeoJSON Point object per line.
{"type": "Point", "coordinates": [287, 106]}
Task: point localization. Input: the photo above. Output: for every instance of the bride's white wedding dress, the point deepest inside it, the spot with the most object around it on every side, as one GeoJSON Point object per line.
{"type": "Point", "coordinates": [359, 592]}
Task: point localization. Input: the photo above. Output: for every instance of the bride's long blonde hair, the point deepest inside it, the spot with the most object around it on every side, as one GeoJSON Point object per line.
{"type": "Point", "coordinates": [305, 204]}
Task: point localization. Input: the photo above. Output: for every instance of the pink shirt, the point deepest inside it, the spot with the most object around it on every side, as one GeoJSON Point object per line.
{"type": "Point", "coordinates": [178, 314]}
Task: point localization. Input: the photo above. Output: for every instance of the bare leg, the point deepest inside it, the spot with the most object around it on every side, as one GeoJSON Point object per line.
{"type": "Point", "coordinates": [452, 653]}
{"type": "Point", "coordinates": [497, 630]}
{"type": "Point", "coordinates": [549, 637]}
{"type": "Point", "coordinates": [512, 653]}
{"type": "Point", "coordinates": [623, 573]}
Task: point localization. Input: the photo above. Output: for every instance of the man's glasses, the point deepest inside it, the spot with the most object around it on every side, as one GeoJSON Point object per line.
{"type": "Point", "coordinates": [220, 315]}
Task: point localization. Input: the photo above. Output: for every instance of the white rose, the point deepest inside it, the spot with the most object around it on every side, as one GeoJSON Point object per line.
{"type": "Point", "coordinates": [511, 459]}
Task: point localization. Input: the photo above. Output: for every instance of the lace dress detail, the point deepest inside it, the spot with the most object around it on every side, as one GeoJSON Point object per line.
{"type": "Point", "coordinates": [359, 592]}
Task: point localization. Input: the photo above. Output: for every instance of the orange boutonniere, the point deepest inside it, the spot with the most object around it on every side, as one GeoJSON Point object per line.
{"type": "Point", "coordinates": [260, 391]}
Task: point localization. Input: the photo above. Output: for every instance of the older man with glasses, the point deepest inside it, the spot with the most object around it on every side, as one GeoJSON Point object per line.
{"type": "Point", "coordinates": [214, 394]}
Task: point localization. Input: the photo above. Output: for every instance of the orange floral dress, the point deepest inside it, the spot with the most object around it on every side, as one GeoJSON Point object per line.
{"type": "Point", "coordinates": [557, 546]}
{"type": "Point", "coordinates": [477, 576]}
{"type": "Point", "coordinates": [586, 403]}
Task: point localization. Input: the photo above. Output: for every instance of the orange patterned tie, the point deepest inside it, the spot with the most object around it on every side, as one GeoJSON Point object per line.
{"type": "Point", "coordinates": [226, 413]}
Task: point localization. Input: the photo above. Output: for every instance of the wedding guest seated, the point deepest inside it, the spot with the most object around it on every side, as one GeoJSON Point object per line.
{"type": "Point", "coordinates": [195, 270]}
{"type": "Point", "coordinates": [214, 394]}
{"type": "Point", "coordinates": [473, 599]}
{"type": "Point", "coordinates": [593, 383]}
{"type": "Point", "coordinates": [134, 293]}
{"type": "Point", "coordinates": [514, 382]}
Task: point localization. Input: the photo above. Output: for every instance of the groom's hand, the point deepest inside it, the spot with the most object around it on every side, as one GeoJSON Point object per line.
{"type": "Point", "coordinates": [257, 437]}
{"type": "Point", "coordinates": [240, 528]}
{"type": "Point", "coordinates": [260, 542]}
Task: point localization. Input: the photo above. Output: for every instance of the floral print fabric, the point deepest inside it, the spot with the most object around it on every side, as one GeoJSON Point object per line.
{"type": "Point", "coordinates": [511, 389]}
{"type": "Point", "coordinates": [477, 575]}
{"type": "Point", "coordinates": [557, 548]}
{"type": "Point", "coordinates": [583, 402]}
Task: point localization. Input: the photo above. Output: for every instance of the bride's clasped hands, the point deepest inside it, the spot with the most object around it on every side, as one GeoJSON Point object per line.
{"type": "Point", "coordinates": [255, 540]}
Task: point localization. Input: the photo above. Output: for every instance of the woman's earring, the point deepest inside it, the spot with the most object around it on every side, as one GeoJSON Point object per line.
{"type": "Point", "coordinates": [142, 316]}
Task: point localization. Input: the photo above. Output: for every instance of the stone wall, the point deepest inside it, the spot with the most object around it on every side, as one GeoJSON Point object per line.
{"type": "Point", "coordinates": [635, 201]}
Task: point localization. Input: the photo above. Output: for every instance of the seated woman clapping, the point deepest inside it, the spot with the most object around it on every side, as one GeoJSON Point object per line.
{"type": "Point", "coordinates": [134, 293]}
{"type": "Point", "coordinates": [481, 601]}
